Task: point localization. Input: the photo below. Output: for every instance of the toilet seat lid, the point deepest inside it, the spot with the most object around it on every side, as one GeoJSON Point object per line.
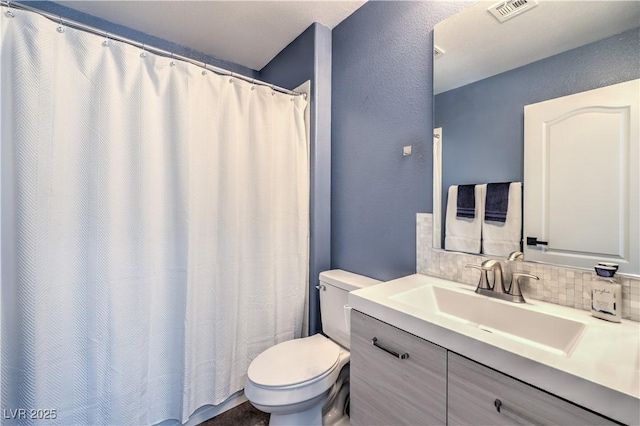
{"type": "Point", "coordinates": [293, 362]}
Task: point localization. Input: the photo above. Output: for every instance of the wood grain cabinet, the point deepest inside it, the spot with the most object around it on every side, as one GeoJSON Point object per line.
{"type": "Point", "coordinates": [401, 380]}
{"type": "Point", "coordinates": [474, 391]}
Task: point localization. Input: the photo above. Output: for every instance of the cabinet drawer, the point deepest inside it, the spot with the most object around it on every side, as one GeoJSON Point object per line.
{"type": "Point", "coordinates": [388, 390]}
{"type": "Point", "coordinates": [474, 388]}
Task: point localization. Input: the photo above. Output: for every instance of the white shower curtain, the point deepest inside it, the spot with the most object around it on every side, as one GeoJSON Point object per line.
{"type": "Point", "coordinates": [154, 227]}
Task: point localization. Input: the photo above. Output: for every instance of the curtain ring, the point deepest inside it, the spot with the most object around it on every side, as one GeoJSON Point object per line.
{"type": "Point", "coordinates": [143, 54]}
{"type": "Point", "coordinates": [172, 63]}
{"type": "Point", "coordinates": [105, 43]}
{"type": "Point", "coordinates": [204, 71]}
{"type": "Point", "coordinates": [231, 79]}
{"type": "Point", "coordinates": [60, 28]}
{"type": "Point", "coordinates": [273, 90]}
{"type": "Point", "coordinates": [9, 13]}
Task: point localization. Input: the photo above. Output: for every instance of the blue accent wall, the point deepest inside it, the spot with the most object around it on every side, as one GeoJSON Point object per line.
{"type": "Point", "coordinates": [308, 57]}
{"type": "Point", "coordinates": [382, 101]}
{"type": "Point", "coordinates": [130, 33]}
{"type": "Point", "coordinates": [483, 122]}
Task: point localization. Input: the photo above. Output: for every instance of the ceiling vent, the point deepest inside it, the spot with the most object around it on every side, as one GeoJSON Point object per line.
{"type": "Point", "coordinates": [508, 9]}
{"type": "Point", "coordinates": [437, 52]}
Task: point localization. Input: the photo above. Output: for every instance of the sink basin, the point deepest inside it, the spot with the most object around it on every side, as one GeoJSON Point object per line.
{"type": "Point", "coordinates": [514, 321]}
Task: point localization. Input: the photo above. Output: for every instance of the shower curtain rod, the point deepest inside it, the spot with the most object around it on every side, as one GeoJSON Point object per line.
{"type": "Point", "coordinates": [93, 30]}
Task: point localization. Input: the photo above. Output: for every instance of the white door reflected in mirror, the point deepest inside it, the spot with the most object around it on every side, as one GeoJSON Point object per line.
{"type": "Point", "coordinates": [582, 179]}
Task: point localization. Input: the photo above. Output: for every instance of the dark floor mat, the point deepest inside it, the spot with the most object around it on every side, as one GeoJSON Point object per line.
{"type": "Point", "coordinates": [244, 414]}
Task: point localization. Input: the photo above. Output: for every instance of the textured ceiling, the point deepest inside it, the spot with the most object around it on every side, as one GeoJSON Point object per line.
{"type": "Point", "coordinates": [477, 46]}
{"type": "Point", "coordinates": [249, 33]}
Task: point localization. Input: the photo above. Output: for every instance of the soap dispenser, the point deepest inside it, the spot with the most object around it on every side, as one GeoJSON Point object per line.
{"type": "Point", "coordinates": [606, 293]}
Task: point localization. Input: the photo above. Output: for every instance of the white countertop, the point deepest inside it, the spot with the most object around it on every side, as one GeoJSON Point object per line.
{"type": "Point", "coordinates": [601, 372]}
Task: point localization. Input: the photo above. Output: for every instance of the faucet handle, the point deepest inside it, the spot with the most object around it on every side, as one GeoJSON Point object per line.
{"type": "Point", "coordinates": [514, 289]}
{"type": "Point", "coordinates": [522, 274]}
{"type": "Point", "coordinates": [481, 267]}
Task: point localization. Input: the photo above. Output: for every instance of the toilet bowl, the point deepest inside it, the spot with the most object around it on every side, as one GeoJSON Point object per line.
{"type": "Point", "coordinates": [293, 380]}
{"type": "Point", "coordinates": [306, 381]}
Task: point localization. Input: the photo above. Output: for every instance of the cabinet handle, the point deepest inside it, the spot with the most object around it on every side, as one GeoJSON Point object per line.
{"type": "Point", "coordinates": [375, 343]}
{"type": "Point", "coordinates": [514, 415]}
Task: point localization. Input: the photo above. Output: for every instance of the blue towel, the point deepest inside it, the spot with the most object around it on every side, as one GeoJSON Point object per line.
{"type": "Point", "coordinates": [497, 202]}
{"type": "Point", "coordinates": [466, 201]}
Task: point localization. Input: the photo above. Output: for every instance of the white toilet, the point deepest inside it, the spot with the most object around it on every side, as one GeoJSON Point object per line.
{"type": "Point", "coordinates": [306, 381]}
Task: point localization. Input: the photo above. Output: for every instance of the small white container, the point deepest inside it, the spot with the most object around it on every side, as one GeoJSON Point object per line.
{"type": "Point", "coordinates": [606, 299]}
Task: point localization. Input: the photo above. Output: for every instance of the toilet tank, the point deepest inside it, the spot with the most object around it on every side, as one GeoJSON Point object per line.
{"type": "Point", "coordinates": [335, 286]}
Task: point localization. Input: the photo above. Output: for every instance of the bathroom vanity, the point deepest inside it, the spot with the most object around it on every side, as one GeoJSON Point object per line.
{"type": "Point", "coordinates": [387, 389]}
{"type": "Point", "coordinates": [431, 351]}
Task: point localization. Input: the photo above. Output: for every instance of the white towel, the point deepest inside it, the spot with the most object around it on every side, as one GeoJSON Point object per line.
{"type": "Point", "coordinates": [463, 234]}
{"type": "Point", "coordinates": [501, 239]}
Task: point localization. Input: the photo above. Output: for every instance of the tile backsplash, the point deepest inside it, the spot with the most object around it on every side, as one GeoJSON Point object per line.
{"type": "Point", "coordinates": [561, 285]}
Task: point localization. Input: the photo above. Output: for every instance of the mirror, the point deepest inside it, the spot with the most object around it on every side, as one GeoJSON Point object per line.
{"type": "Point", "coordinates": [493, 59]}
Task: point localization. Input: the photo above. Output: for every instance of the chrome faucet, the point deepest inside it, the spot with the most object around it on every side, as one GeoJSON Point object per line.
{"type": "Point", "coordinates": [498, 278]}
{"type": "Point", "coordinates": [497, 289]}
{"type": "Point", "coordinates": [516, 255]}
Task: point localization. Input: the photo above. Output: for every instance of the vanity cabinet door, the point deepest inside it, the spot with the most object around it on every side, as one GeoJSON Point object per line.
{"type": "Point", "coordinates": [473, 391]}
{"type": "Point", "coordinates": [389, 390]}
